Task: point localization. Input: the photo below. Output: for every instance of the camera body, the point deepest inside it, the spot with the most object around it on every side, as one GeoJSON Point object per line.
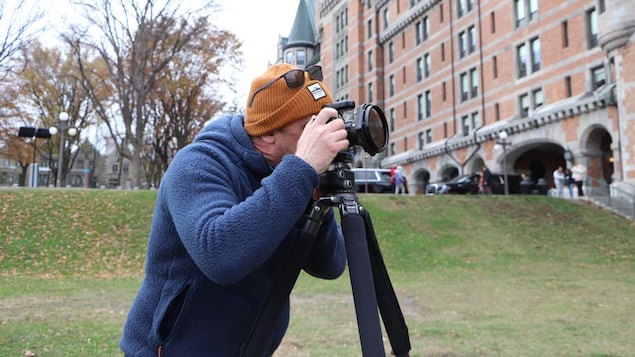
{"type": "Point", "coordinates": [366, 127]}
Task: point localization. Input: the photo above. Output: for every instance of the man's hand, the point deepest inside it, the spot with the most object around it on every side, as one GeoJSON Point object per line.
{"type": "Point", "coordinates": [321, 140]}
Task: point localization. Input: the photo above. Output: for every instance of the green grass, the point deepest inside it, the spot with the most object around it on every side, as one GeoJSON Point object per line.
{"type": "Point", "coordinates": [475, 276]}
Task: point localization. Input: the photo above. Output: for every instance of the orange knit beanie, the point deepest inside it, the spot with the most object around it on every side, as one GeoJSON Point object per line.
{"type": "Point", "coordinates": [271, 104]}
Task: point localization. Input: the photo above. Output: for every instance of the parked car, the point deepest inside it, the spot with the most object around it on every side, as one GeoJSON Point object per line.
{"type": "Point", "coordinates": [373, 181]}
{"type": "Point", "coordinates": [468, 184]}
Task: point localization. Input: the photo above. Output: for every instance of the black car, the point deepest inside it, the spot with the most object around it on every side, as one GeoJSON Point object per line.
{"type": "Point", "coordinates": [373, 181]}
{"type": "Point", "coordinates": [468, 184]}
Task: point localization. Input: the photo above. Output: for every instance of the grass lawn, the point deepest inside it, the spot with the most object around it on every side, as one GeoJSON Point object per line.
{"type": "Point", "coordinates": [475, 276]}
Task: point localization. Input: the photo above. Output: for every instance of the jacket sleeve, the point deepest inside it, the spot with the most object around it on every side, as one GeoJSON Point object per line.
{"type": "Point", "coordinates": [228, 230]}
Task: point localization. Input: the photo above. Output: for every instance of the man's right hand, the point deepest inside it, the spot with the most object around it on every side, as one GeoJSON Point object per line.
{"type": "Point", "coordinates": [322, 139]}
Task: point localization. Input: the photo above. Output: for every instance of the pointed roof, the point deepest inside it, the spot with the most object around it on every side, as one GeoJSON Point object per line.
{"type": "Point", "coordinates": [302, 32]}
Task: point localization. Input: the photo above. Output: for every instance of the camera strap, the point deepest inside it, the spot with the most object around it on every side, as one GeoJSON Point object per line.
{"type": "Point", "coordinates": [284, 279]}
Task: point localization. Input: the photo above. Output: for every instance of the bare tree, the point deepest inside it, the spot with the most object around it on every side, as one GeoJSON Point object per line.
{"type": "Point", "coordinates": [19, 21]}
{"type": "Point", "coordinates": [137, 41]}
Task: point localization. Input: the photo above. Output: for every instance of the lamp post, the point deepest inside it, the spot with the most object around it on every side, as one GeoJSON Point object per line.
{"type": "Point", "coordinates": [34, 133]}
{"type": "Point", "coordinates": [503, 143]}
{"type": "Point", "coordinates": [61, 127]}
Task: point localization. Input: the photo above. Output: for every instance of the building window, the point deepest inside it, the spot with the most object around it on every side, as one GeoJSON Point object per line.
{"type": "Point", "coordinates": [421, 140]}
{"type": "Point", "coordinates": [462, 44]}
{"type": "Point", "coordinates": [420, 107]}
{"type": "Point", "coordinates": [601, 6]}
{"type": "Point", "coordinates": [497, 112]}
{"type": "Point", "coordinates": [391, 52]}
{"type": "Point", "coordinates": [524, 105]}
{"type": "Point", "coordinates": [463, 7]}
{"type": "Point", "coordinates": [519, 10]}
{"type": "Point", "coordinates": [592, 25]}
{"type": "Point", "coordinates": [464, 87]}
{"type": "Point", "coordinates": [426, 28]}
{"type": "Point", "coordinates": [598, 76]}
{"type": "Point", "coordinates": [115, 168]}
{"type": "Point", "coordinates": [536, 58]}
{"type": "Point", "coordinates": [370, 92]}
{"type": "Point", "coordinates": [523, 57]}
{"type": "Point", "coordinates": [385, 18]}
{"type": "Point", "coordinates": [537, 98]}
{"type": "Point", "coordinates": [289, 57]}
{"type": "Point", "coordinates": [565, 34]}
{"type": "Point", "coordinates": [419, 69]}
{"type": "Point", "coordinates": [469, 84]}
{"type": "Point", "coordinates": [465, 125]}
{"type": "Point", "coordinates": [370, 60]}
{"type": "Point", "coordinates": [567, 84]}
{"type": "Point", "coordinates": [427, 65]}
{"type": "Point", "coordinates": [391, 85]}
{"type": "Point", "coordinates": [441, 12]}
{"type": "Point", "coordinates": [392, 119]}
{"type": "Point", "coordinates": [369, 29]}
{"type": "Point", "coordinates": [476, 120]}
{"type": "Point", "coordinates": [444, 91]}
{"type": "Point", "coordinates": [492, 21]}
{"type": "Point", "coordinates": [428, 104]}
{"type": "Point", "coordinates": [472, 38]}
{"type": "Point", "coordinates": [442, 51]}
{"type": "Point", "coordinates": [429, 136]}
{"type": "Point", "coordinates": [474, 82]}
{"type": "Point", "coordinates": [521, 54]}
{"type": "Point", "coordinates": [300, 57]}
{"type": "Point", "coordinates": [524, 7]}
{"type": "Point", "coordinates": [495, 66]}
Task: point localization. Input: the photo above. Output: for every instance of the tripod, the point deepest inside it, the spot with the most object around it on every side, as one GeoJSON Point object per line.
{"type": "Point", "coordinates": [370, 282]}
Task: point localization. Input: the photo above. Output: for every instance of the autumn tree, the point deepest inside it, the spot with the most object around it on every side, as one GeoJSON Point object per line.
{"type": "Point", "coordinates": [139, 41]}
{"type": "Point", "coordinates": [187, 97]}
{"type": "Point", "coordinates": [48, 84]}
{"type": "Point", "coordinates": [20, 24]}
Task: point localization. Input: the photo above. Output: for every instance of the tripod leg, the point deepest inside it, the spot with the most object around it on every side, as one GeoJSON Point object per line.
{"type": "Point", "coordinates": [391, 314]}
{"type": "Point", "coordinates": [363, 286]}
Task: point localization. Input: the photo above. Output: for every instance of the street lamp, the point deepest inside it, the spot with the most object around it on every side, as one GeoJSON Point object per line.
{"type": "Point", "coordinates": [503, 143]}
{"type": "Point", "coordinates": [34, 133]}
{"type": "Point", "coordinates": [61, 127]}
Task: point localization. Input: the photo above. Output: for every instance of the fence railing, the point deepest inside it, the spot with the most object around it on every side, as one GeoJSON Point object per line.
{"type": "Point", "coordinates": [619, 198]}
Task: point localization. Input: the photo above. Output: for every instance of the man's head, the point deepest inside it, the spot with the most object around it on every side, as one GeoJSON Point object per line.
{"type": "Point", "coordinates": [282, 95]}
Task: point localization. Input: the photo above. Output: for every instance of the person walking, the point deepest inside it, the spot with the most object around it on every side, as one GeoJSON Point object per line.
{"type": "Point", "coordinates": [485, 177]}
{"type": "Point", "coordinates": [568, 181]}
{"type": "Point", "coordinates": [400, 181]}
{"type": "Point", "coordinates": [578, 172]}
{"type": "Point", "coordinates": [558, 181]}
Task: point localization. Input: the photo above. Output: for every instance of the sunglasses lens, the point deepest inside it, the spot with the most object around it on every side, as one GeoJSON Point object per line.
{"type": "Point", "coordinates": [294, 78]}
{"type": "Point", "coordinates": [315, 73]}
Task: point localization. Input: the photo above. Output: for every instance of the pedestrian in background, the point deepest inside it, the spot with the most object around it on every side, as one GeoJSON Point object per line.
{"type": "Point", "coordinates": [578, 172]}
{"type": "Point", "coordinates": [558, 181]}
{"type": "Point", "coordinates": [568, 181]}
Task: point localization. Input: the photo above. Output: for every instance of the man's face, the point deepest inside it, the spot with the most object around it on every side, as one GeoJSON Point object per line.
{"type": "Point", "coordinates": [286, 138]}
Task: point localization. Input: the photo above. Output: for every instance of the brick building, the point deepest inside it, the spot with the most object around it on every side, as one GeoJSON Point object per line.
{"type": "Point", "coordinates": [451, 75]}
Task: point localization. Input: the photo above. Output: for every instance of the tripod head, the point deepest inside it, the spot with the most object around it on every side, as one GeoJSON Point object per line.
{"type": "Point", "coordinates": [367, 128]}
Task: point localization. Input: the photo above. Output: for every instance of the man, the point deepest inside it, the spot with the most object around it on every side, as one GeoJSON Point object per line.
{"type": "Point", "coordinates": [484, 181]}
{"type": "Point", "coordinates": [558, 181]}
{"type": "Point", "coordinates": [578, 173]}
{"type": "Point", "coordinates": [225, 209]}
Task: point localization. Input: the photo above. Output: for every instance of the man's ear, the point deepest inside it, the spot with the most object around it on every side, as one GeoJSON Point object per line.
{"type": "Point", "coordinates": [269, 138]}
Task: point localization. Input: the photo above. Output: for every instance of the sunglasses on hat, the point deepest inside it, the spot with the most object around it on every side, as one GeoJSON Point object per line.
{"type": "Point", "coordinates": [294, 79]}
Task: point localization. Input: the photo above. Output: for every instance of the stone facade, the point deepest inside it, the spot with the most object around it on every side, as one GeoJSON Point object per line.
{"type": "Point", "coordinates": [451, 75]}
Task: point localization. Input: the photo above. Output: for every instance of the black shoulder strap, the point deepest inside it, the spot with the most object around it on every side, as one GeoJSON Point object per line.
{"type": "Point", "coordinates": [285, 277]}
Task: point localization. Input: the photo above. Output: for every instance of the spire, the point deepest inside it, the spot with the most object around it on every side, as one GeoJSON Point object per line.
{"type": "Point", "coordinates": [302, 32]}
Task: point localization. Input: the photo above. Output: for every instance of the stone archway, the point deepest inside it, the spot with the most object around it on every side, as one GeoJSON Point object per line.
{"type": "Point", "coordinates": [448, 172]}
{"type": "Point", "coordinates": [597, 153]}
{"type": "Point", "coordinates": [421, 180]}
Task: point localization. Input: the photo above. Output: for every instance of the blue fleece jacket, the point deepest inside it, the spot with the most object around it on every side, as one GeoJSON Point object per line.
{"type": "Point", "coordinates": [221, 214]}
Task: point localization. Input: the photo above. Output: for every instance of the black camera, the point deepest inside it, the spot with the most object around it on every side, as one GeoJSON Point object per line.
{"type": "Point", "coordinates": [366, 127]}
